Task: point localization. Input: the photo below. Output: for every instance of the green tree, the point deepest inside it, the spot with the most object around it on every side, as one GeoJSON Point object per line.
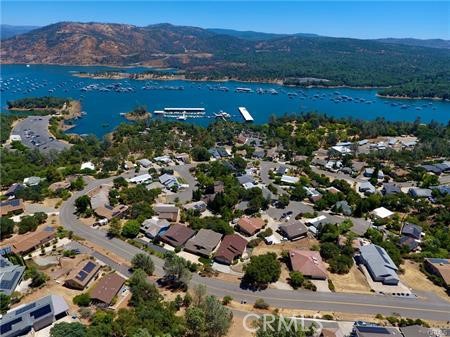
{"type": "Point", "coordinates": [262, 269]}
{"type": "Point", "coordinates": [82, 300]}
{"type": "Point", "coordinates": [195, 321]}
{"type": "Point", "coordinates": [200, 153]}
{"type": "Point", "coordinates": [6, 227]}
{"type": "Point", "coordinates": [115, 228]}
{"type": "Point", "coordinates": [77, 184]}
{"type": "Point", "coordinates": [64, 329]}
{"type": "Point", "coordinates": [4, 303]}
{"type": "Point", "coordinates": [176, 271]}
{"type": "Point", "coordinates": [144, 262]}
{"type": "Point", "coordinates": [82, 204]}
{"type": "Point", "coordinates": [296, 279]}
{"type": "Point", "coordinates": [131, 229]}
{"type": "Point", "coordinates": [142, 290]}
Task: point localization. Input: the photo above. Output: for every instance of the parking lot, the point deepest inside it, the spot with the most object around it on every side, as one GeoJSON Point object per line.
{"type": "Point", "coordinates": [34, 133]}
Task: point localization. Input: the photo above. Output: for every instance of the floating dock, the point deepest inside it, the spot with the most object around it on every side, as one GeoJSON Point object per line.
{"type": "Point", "coordinates": [244, 112]}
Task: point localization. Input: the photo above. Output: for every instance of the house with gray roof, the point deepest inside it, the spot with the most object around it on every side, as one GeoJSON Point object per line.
{"type": "Point", "coordinates": [154, 227]}
{"type": "Point", "coordinates": [412, 230]}
{"type": "Point", "coordinates": [379, 264]}
{"type": "Point", "coordinates": [343, 207]}
{"type": "Point", "coordinates": [245, 179]}
{"type": "Point", "coordinates": [203, 243]}
{"type": "Point", "coordinates": [168, 180]}
{"type": "Point", "coordinates": [366, 187]}
{"type": "Point", "coordinates": [391, 188]}
{"type": "Point", "coordinates": [418, 192]}
{"type": "Point", "coordinates": [145, 163]}
{"type": "Point", "coordinates": [33, 316]}
{"type": "Point", "coordinates": [10, 276]}
{"type": "Point", "coordinates": [294, 231]}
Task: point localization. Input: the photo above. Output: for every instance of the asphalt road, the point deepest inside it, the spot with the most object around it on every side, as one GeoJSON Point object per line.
{"type": "Point", "coordinates": [34, 133]}
{"type": "Point", "coordinates": [426, 308]}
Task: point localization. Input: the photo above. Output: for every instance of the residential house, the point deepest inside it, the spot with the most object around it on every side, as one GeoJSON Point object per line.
{"type": "Point", "coordinates": [167, 211]}
{"type": "Point", "coordinates": [343, 207]}
{"type": "Point", "coordinates": [163, 159]}
{"type": "Point", "coordinates": [331, 332]}
{"type": "Point", "coordinates": [203, 243]}
{"type": "Point", "coordinates": [258, 153]}
{"type": "Point", "coordinates": [145, 163]}
{"type": "Point", "coordinates": [369, 171]}
{"type": "Point", "coordinates": [443, 189]}
{"type": "Point", "coordinates": [316, 224]}
{"type": "Point", "coordinates": [87, 166]}
{"type": "Point", "coordinates": [412, 230]}
{"type": "Point", "coordinates": [168, 180]}
{"type": "Point", "coordinates": [312, 193]}
{"type": "Point", "coordinates": [379, 264]}
{"type": "Point", "coordinates": [382, 213]}
{"type": "Point", "coordinates": [183, 157]}
{"type": "Point", "coordinates": [33, 316]}
{"type": "Point", "coordinates": [281, 170]}
{"type": "Point", "coordinates": [177, 235]}
{"type": "Point", "coordinates": [32, 181]}
{"type": "Point", "coordinates": [109, 212]}
{"type": "Point", "coordinates": [82, 275]}
{"type": "Point", "coordinates": [141, 179]}
{"type": "Point", "coordinates": [10, 276]}
{"type": "Point", "coordinates": [32, 240]}
{"type": "Point", "coordinates": [11, 206]}
{"type": "Point", "coordinates": [245, 179]}
{"type": "Point", "coordinates": [339, 150]}
{"type": "Point", "coordinates": [417, 192]}
{"type": "Point", "coordinates": [390, 188]}
{"type": "Point", "coordinates": [309, 263]}
{"type": "Point", "coordinates": [154, 227]}
{"type": "Point", "coordinates": [372, 330]}
{"type": "Point", "coordinates": [294, 231]}
{"type": "Point", "coordinates": [289, 179]}
{"type": "Point", "coordinates": [196, 206]}
{"type": "Point", "coordinates": [106, 289]}
{"type": "Point", "coordinates": [439, 267]}
{"type": "Point", "coordinates": [250, 225]}
{"type": "Point", "coordinates": [419, 331]}
{"type": "Point", "coordinates": [13, 189]}
{"type": "Point", "coordinates": [366, 187]}
{"type": "Point", "coordinates": [231, 248]}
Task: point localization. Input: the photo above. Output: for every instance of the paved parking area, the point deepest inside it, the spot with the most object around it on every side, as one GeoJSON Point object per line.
{"type": "Point", "coordinates": [33, 131]}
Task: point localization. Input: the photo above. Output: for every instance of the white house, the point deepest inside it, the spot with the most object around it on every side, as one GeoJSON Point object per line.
{"type": "Point", "coordinates": [87, 165]}
{"type": "Point", "coordinates": [382, 213]}
{"type": "Point", "coordinates": [141, 179]}
{"type": "Point", "coordinates": [289, 179]}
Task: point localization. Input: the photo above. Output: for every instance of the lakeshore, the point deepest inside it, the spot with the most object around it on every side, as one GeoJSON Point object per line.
{"type": "Point", "coordinates": [104, 100]}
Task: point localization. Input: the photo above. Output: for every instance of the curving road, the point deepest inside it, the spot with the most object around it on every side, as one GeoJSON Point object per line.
{"type": "Point", "coordinates": [431, 307]}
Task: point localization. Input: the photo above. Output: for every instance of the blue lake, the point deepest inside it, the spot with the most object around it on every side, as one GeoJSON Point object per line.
{"type": "Point", "coordinates": [103, 108]}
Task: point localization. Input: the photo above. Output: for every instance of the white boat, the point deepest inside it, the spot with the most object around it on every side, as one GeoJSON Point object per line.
{"type": "Point", "coordinates": [182, 117]}
{"type": "Point", "coordinates": [222, 115]}
{"type": "Point", "coordinates": [28, 66]}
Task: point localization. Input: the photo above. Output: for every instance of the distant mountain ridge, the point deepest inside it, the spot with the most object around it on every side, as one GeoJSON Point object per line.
{"type": "Point", "coordinates": [7, 31]}
{"type": "Point", "coordinates": [211, 54]}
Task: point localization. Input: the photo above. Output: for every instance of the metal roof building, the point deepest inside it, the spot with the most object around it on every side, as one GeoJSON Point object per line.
{"type": "Point", "coordinates": [33, 316]}
{"type": "Point", "coordinates": [379, 264]}
{"type": "Point", "coordinates": [10, 276]}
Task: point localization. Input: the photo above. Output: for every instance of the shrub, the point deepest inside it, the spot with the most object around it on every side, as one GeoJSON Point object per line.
{"type": "Point", "coordinates": [82, 300]}
{"type": "Point", "coordinates": [226, 300]}
{"type": "Point", "coordinates": [261, 304]}
{"type": "Point", "coordinates": [296, 279]}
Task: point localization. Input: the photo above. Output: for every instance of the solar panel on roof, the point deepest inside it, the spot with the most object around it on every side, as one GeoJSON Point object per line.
{"type": "Point", "coordinates": [25, 308]}
{"type": "Point", "coordinates": [15, 202]}
{"type": "Point", "coordinates": [374, 329]}
{"type": "Point", "coordinates": [89, 267]}
{"type": "Point", "coordinates": [46, 309]}
{"type": "Point", "coordinates": [4, 328]}
{"type": "Point", "coordinates": [81, 275]}
{"type": "Point", "coordinates": [7, 284]}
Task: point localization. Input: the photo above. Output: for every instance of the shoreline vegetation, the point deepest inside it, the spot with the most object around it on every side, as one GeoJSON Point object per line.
{"type": "Point", "coordinates": [61, 109]}
{"type": "Point", "coordinates": [387, 92]}
{"type": "Point", "coordinates": [138, 114]}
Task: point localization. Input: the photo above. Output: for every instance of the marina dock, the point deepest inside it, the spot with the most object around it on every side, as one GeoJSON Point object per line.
{"type": "Point", "coordinates": [244, 112]}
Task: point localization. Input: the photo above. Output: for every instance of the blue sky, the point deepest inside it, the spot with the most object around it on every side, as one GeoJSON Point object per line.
{"type": "Point", "coordinates": [360, 19]}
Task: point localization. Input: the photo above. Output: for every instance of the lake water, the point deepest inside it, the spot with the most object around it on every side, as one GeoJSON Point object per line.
{"type": "Point", "coordinates": [104, 107]}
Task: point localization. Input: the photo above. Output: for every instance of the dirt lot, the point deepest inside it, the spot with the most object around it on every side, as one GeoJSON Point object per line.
{"type": "Point", "coordinates": [306, 243]}
{"type": "Point", "coordinates": [416, 280]}
{"type": "Point", "coordinates": [353, 282]}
